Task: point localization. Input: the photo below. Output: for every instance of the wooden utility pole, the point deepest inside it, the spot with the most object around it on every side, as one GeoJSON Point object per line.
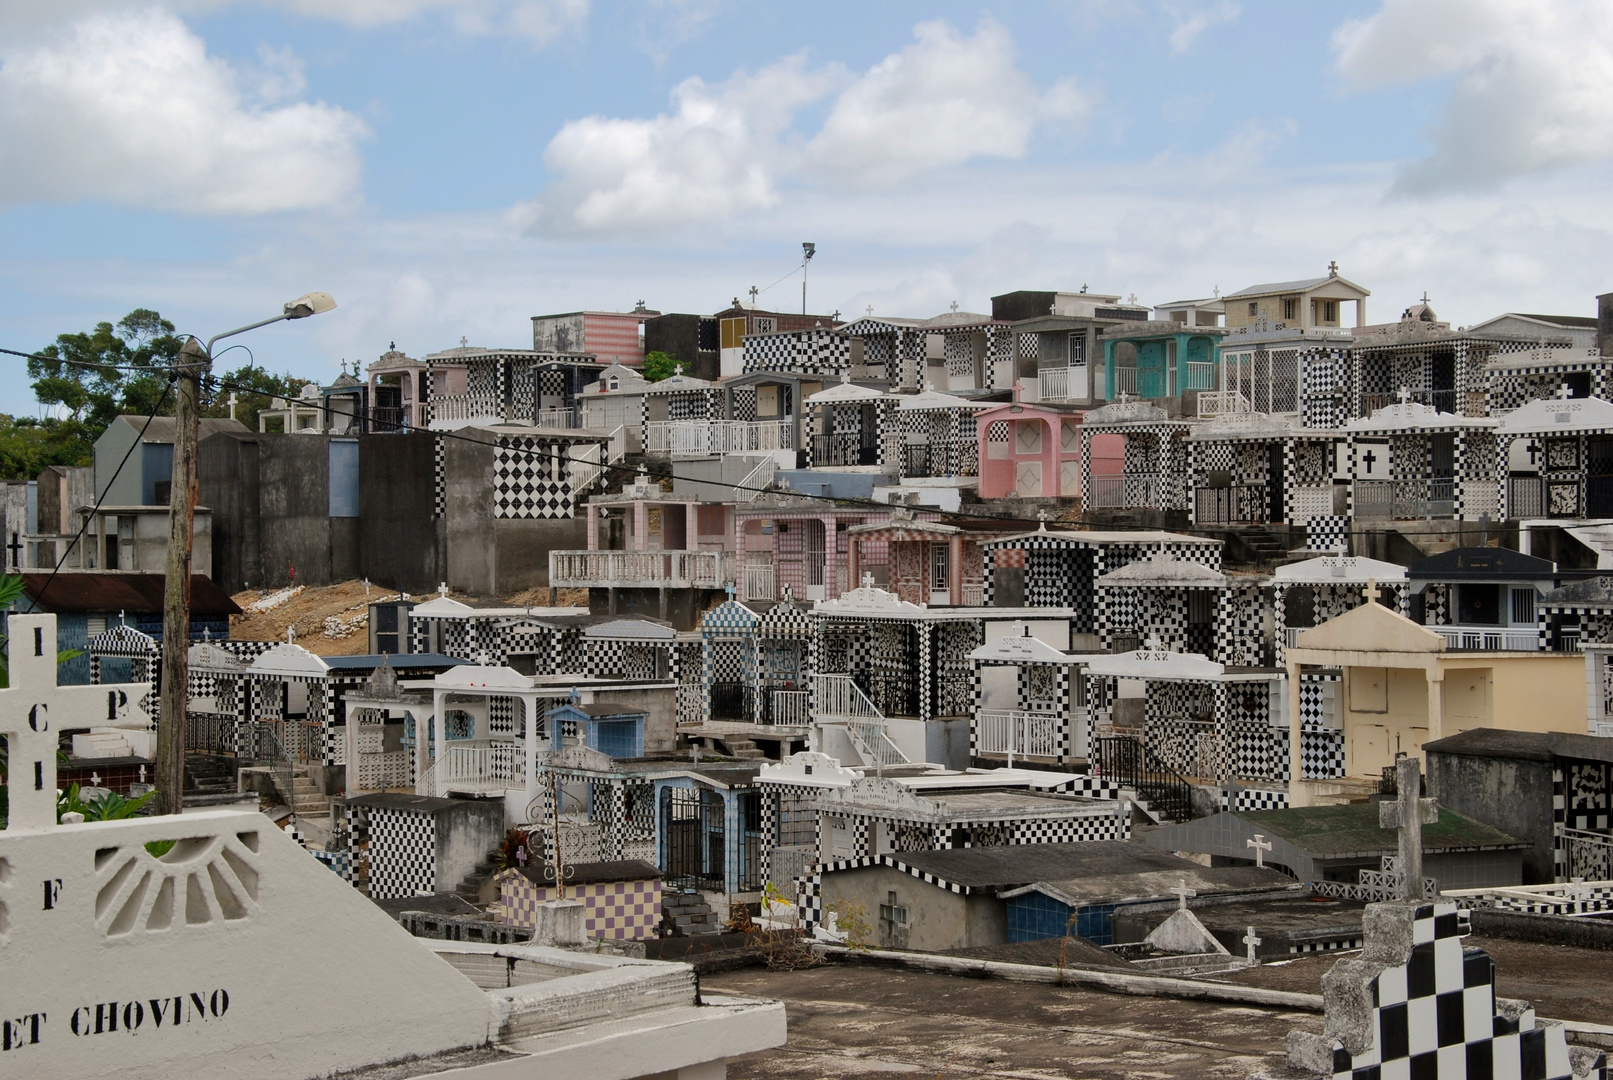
{"type": "Point", "coordinates": [170, 780]}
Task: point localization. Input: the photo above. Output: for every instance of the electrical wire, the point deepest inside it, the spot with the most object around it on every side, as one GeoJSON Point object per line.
{"type": "Point", "coordinates": [211, 382]}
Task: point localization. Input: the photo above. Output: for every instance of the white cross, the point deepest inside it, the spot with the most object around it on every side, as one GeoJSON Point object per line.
{"type": "Point", "coordinates": [1563, 391]}
{"type": "Point", "coordinates": [1250, 940]}
{"type": "Point", "coordinates": [462, 341]}
{"type": "Point", "coordinates": [1369, 591]}
{"type": "Point", "coordinates": [1409, 814]}
{"type": "Point", "coordinates": [869, 309]}
{"type": "Point", "coordinates": [1404, 395]}
{"type": "Point", "coordinates": [954, 307]}
{"type": "Point", "coordinates": [1182, 893]}
{"type": "Point", "coordinates": [868, 580]}
{"type": "Point", "coordinates": [232, 404]}
{"type": "Point", "coordinates": [442, 588]}
{"type": "Point", "coordinates": [34, 710]}
{"type": "Point", "coordinates": [1261, 846]}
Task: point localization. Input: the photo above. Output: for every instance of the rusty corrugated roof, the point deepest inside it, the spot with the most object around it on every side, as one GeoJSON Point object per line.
{"type": "Point", "coordinates": [103, 592]}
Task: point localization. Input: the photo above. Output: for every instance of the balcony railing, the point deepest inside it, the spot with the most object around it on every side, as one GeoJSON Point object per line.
{"type": "Point", "coordinates": [1123, 381]}
{"type": "Point", "coordinates": [642, 569]}
{"type": "Point", "coordinates": [974, 594]}
{"type": "Point", "coordinates": [388, 418]}
{"type": "Point", "coordinates": [791, 708]}
{"type": "Point", "coordinates": [1013, 732]}
{"type": "Point", "coordinates": [759, 581]}
{"type": "Point", "coordinates": [558, 418]}
{"type": "Point", "coordinates": [1490, 638]}
{"type": "Point", "coordinates": [1121, 492]}
{"type": "Point", "coordinates": [705, 438]}
{"type": "Point", "coordinates": [1441, 400]}
{"type": "Point", "coordinates": [1200, 376]}
{"type": "Point", "coordinates": [843, 449]}
{"type": "Point", "coordinates": [1404, 500]}
{"type": "Point", "coordinates": [1240, 504]}
{"type": "Point", "coordinates": [1222, 403]}
{"type": "Point", "coordinates": [460, 407]}
{"type": "Point", "coordinates": [1053, 384]}
{"type": "Point", "coordinates": [481, 769]}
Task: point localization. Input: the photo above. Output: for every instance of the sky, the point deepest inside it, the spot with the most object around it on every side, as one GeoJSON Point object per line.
{"type": "Point", "coordinates": [450, 168]}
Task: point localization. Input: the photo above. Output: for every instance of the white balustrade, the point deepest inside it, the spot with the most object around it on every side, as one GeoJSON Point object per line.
{"type": "Point", "coordinates": [1121, 492]}
{"type": "Point", "coordinates": [558, 418]}
{"type": "Point", "coordinates": [1053, 384]}
{"type": "Point", "coordinates": [1222, 403]}
{"type": "Point", "coordinates": [481, 769]}
{"type": "Point", "coordinates": [1014, 732]}
{"type": "Point", "coordinates": [759, 581]}
{"type": "Point", "coordinates": [792, 707]}
{"type": "Point", "coordinates": [1200, 375]}
{"type": "Point", "coordinates": [1124, 381]}
{"type": "Point", "coordinates": [672, 569]}
{"type": "Point", "coordinates": [1490, 638]}
{"type": "Point", "coordinates": [704, 438]}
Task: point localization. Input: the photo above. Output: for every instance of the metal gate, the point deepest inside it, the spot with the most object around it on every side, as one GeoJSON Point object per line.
{"type": "Point", "coordinates": [692, 823]}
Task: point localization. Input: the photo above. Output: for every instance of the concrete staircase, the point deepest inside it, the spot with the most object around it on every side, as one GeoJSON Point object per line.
{"type": "Point", "coordinates": [690, 913]}
{"type": "Point", "coordinates": [101, 744]}
{"type": "Point", "coordinates": [470, 887]}
{"type": "Point", "coordinates": [209, 781]}
{"type": "Point", "coordinates": [740, 747]}
{"type": "Point", "coordinates": [307, 801]}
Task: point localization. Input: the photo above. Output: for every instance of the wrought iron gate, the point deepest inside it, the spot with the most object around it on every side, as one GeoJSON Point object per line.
{"type": "Point", "coordinates": [693, 824]}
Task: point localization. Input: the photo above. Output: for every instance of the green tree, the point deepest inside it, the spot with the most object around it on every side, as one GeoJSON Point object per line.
{"type": "Point", "coordinates": [27, 445]}
{"type": "Point", "coordinates": [659, 365]}
{"type": "Point", "coordinates": [97, 376]}
{"type": "Point", "coordinates": [254, 389]}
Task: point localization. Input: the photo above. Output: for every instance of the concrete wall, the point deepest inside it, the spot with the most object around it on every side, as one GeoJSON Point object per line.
{"type": "Point", "coordinates": [465, 835]}
{"type": "Point", "coordinates": [661, 719]}
{"type": "Point", "coordinates": [270, 496]}
{"type": "Point", "coordinates": [937, 918]}
{"type": "Point", "coordinates": [488, 556]}
{"type": "Point", "coordinates": [397, 530]}
{"type": "Point", "coordinates": [148, 553]}
{"type": "Point", "coordinates": [1514, 796]}
{"type": "Point", "coordinates": [558, 333]}
{"type": "Point", "coordinates": [109, 450]}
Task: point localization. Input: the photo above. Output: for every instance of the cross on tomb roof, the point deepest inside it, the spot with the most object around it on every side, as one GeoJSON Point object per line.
{"type": "Point", "coordinates": [442, 589]}
{"type": "Point", "coordinates": [1369, 591]}
{"type": "Point", "coordinates": [869, 309]}
{"type": "Point", "coordinates": [1564, 392]}
{"type": "Point", "coordinates": [868, 580]}
{"type": "Point", "coordinates": [1250, 940]}
{"type": "Point", "coordinates": [34, 702]}
{"type": "Point", "coordinates": [1182, 893]}
{"type": "Point", "coordinates": [1404, 395]}
{"type": "Point", "coordinates": [1409, 814]}
{"type": "Point", "coordinates": [1261, 846]}
{"type": "Point", "coordinates": [954, 307]}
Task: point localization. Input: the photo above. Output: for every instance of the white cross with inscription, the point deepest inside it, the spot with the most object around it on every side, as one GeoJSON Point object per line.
{"type": "Point", "coordinates": [1409, 814]}
{"type": "Point", "coordinates": [1251, 941]}
{"type": "Point", "coordinates": [1261, 846]}
{"type": "Point", "coordinates": [1182, 893]}
{"type": "Point", "coordinates": [34, 711]}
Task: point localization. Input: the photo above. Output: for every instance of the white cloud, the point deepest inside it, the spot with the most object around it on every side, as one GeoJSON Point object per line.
{"type": "Point", "coordinates": [1533, 87]}
{"type": "Point", "coordinates": [724, 149]}
{"type": "Point", "coordinates": [541, 21]}
{"type": "Point", "coordinates": [942, 100]}
{"type": "Point", "coordinates": [716, 153]}
{"type": "Point", "coordinates": [1193, 20]}
{"type": "Point", "coordinates": [129, 108]}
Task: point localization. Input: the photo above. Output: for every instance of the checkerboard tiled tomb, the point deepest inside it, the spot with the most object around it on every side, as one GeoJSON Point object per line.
{"type": "Point", "coordinates": [1416, 1004]}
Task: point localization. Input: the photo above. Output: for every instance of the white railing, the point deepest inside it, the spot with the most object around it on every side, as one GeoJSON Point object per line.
{"type": "Point", "coordinates": [792, 707]}
{"type": "Point", "coordinates": [1120, 492]}
{"type": "Point", "coordinates": [1223, 403]}
{"type": "Point", "coordinates": [426, 782]}
{"type": "Point", "coordinates": [756, 481]}
{"type": "Point", "coordinates": [453, 407]}
{"type": "Point", "coordinates": [1305, 503]}
{"type": "Point", "coordinates": [704, 438]}
{"type": "Point", "coordinates": [1590, 856]}
{"type": "Point", "coordinates": [1123, 381]}
{"type": "Point", "coordinates": [1374, 500]}
{"type": "Point", "coordinates": [672, 569]}
{"type": "Point", "coordinates": [1053, 384]}
{"type": "Point", "coordinates": [1012, 731]}
{"type": "Point", "coordinates": [1200, 375]}
{"type": "Point", "coordinates": [476, 769]}
{"type": "Point", "coordinates": [840, 700]}
{"type": "Point", "coordinates": [1489, 639]}
{"type": "Point", "coordinates": [759, 581]}
{"type": "Point", "coordinates": [974, 594]}
{"type": "Point", "coordinates": [558, 418]}
{"type": "Point", "coordinates": [587, 466]}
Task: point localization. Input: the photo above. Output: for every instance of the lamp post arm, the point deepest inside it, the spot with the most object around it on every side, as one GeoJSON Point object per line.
{"type": "Point", "coordinates": [242, 330]}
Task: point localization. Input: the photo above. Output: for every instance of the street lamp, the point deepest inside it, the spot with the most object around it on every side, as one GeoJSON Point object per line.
{"type": "Point", "coordinates": [807, 251]}
{"type": "Point", "coordinates": [195, 360]}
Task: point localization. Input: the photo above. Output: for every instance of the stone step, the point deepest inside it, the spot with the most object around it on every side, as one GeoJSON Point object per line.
{"type": "Point", "coordinates": [94, 745]}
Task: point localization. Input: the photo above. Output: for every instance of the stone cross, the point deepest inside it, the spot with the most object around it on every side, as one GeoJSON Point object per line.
{"type": "Point", "coordinates": [1333, 268]}
{"type": "Point", "coordinates": [1251, 941]}
{"type": "Point", "coordinates": [463, 341]}
{"type": "Point", "coordinates": [442, 588]}
{"type": "Point", "coordinates": [869, 310]}
{"type": "Point", "coordinates": [1041, 515]}
{"type": "Point", "coordinates": [34, 710]}
{"type": "Point", "coordinates": [16, 548]}
{"type": "Point", "coordinates": [1409, 814]}
{"type": "Point", "coordinates": [233, 402]}
{"type": "Point", "coordinates": [1564, 392]}
{"type": "Point", "coordinates": [868, 580]}
{"type": "Point", "coordinates": [753, 294]}
{"type": "Point", "coordinates": [1369, 591]}
{"type": "Point", "coordinates": [954, 307]}
{"type": "Point", "coordinates": [729, 589]}
{"type": "Point", "coordinates": [1404, 395]}
{"type": "Point", "coordinates": [1261, 846]}
{"type": "Point", "coordinates": [1182, 893]}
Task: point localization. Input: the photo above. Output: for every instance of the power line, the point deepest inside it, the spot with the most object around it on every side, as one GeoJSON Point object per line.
{"type": "Point", "coordinates": [853, 502]}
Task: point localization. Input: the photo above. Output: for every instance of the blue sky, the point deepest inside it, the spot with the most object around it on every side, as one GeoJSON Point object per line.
{"type": "Point", "coordinates": [448, 168]}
